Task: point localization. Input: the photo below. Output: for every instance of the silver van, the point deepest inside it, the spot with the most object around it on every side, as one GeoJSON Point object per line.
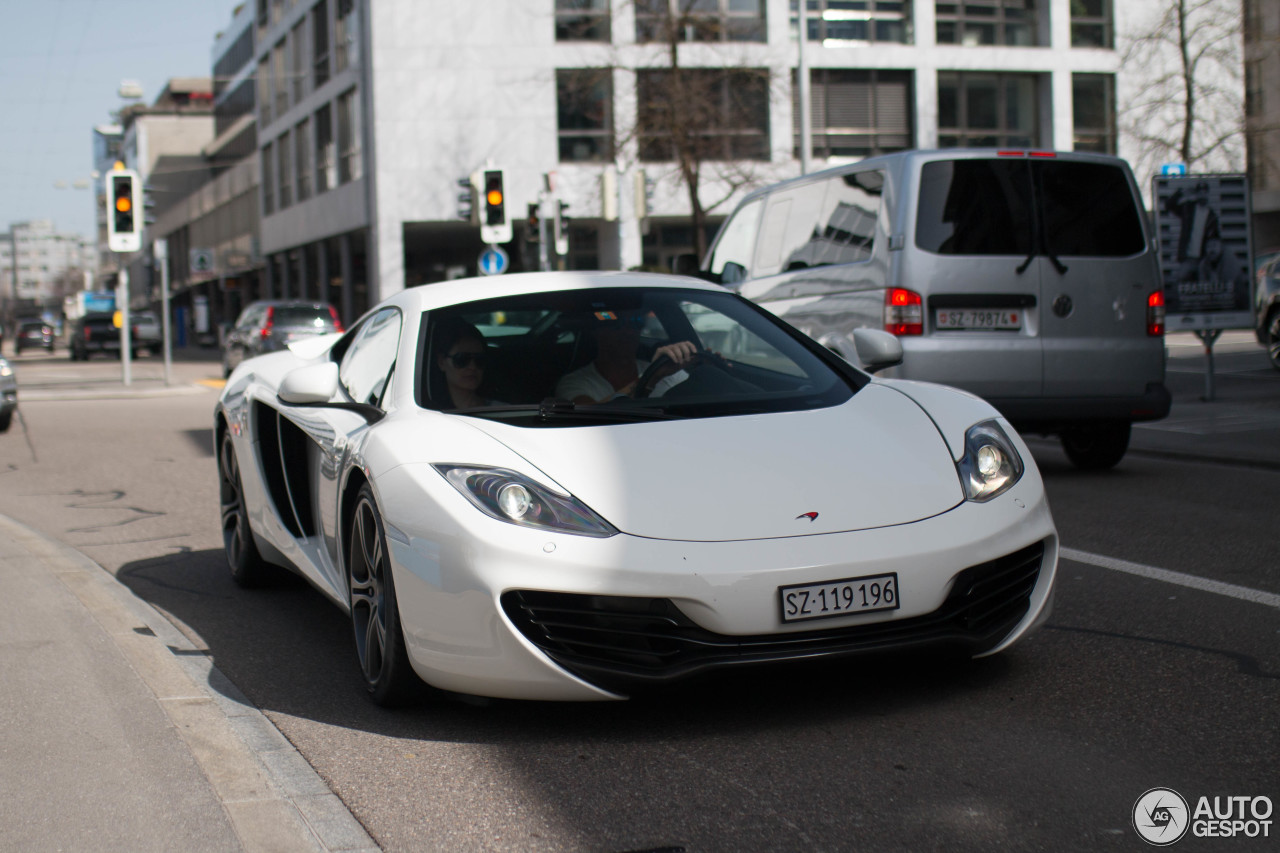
{"type": "Point", "coordinates": [1029, 278]}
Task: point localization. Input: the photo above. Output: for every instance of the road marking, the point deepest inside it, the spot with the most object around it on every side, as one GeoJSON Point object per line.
{"type": "Point", "coordinates": [1244, 593]}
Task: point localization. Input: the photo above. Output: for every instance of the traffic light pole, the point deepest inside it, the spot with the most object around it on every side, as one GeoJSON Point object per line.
{"type": "Point", "coordinates": [161, 253]}
{"type": "Point", "coordinates": [126, 354]}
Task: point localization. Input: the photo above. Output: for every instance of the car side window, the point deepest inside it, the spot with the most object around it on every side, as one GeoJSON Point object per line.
{"type": "Point", "coordinates": [366, 367]}
{"type": "Point", "coordinates": [817, 224]}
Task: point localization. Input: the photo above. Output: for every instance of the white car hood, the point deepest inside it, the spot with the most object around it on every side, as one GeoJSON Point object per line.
{"type": "Point", "coordinates": [874, 461]}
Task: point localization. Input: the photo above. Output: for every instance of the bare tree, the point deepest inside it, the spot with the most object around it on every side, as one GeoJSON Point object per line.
{"type": "Point", "coordinates": [1186, 66]}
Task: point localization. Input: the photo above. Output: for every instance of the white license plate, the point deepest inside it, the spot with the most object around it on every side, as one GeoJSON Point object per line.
{"type": "Point", "coordinates": [967, 319]}
{"type": "Point", "coordinates": [839, 598]}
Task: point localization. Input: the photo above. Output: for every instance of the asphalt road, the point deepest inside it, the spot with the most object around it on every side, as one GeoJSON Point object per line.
{"type": "Point", "coordinates": [1136, 682]}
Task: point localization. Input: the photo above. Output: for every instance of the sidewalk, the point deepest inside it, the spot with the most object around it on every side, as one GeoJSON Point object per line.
{"type": "Point", "coordinates": [120, 735]}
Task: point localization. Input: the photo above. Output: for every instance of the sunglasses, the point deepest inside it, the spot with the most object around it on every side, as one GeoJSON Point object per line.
{"type": "Point", "coordinates": [463, 359]}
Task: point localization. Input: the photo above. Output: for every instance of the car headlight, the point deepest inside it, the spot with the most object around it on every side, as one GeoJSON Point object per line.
{"type": "Point", "coordinates": [990, 465]}
{"type": "Point", "coordinates": [508, 496]}
{"type": "Point", "coordinates": [5, 369]}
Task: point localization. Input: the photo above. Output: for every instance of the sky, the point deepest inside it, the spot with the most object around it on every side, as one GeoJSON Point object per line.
{"type": "Point", "coordinates": [60, 70]}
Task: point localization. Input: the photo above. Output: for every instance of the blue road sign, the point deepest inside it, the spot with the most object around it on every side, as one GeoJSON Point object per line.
{"type": "Point", "coordinates": [1175, 170]}
{"type": "Point", "coordinates": [494, 261]}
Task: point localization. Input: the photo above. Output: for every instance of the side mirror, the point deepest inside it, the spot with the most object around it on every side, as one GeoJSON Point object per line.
{"type": "Point", "coordinates": [877, 349]}
{"type": "Point", "coordinates": [316, 383]}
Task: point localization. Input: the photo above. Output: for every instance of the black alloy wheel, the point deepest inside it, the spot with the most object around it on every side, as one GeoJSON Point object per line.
{"type": "Point", "coordinates": [248, 569]}
{"type": "Point", "coordinates": [375, 616]}
{"type": "Point", "coordinates": [1097, 446]}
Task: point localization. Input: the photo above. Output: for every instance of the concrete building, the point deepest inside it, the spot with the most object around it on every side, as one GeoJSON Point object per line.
{"type": "Point", "coordinates": [39, 266]}
{"type": "Point", "coordinates": [370, 113]}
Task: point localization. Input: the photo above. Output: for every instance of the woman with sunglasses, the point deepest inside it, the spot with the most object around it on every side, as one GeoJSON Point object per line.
{"type": "Point", "coordinates": [462, 360]}
{"type": "Point", "coordinates": [616, 369]}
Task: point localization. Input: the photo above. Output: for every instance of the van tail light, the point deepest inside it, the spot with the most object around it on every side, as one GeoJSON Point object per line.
{"type": "Point", "coordinates": [337, 324]}
{"type": "Point", "coordinates": [87, 333]}
{"type": "Point", "coordinates": [270, 321]}
{"type": "Point", "coordinates": [1155, 313]}
{"type": "Point", "coordinates": [903, 312]}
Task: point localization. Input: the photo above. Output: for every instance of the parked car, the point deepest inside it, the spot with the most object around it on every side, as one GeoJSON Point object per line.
{"type": "Point", "coordinates": [1026, 277]}
{"type": "Point", "coordinates": [33, 334]}
{"type": "Point", "coordinates": [145, 332]}
{"type": "Point", "coordinates": [772, 505]}
{"type": "Point", "coordinates": [93, 333]}
{"type": "Point", "coordinates": [1266, 297]}
{"type": "Point", "coordinates": [8, 394]}
{"type": "Point", "coordinates": [271, 325]}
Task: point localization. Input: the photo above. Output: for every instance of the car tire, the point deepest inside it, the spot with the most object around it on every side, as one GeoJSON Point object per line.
{"type": "Point", "coordinates": [375, 614]}
{"type": "Point", "coordinates": [1098, 446]}
{"type": "Point", "coordinates": [5, 420]}
{"type": "Point", "coordinates": [1273, 339]}
{"type": "Point", "coordinates": [248, 569]}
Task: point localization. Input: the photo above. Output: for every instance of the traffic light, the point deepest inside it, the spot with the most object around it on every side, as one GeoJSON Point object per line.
{"type": "Point", "coordinates": [494, 225]}
{"type": "Point", "coordinates": [467, 201]}
{"type": "Point", "coordinates": [124, 216]}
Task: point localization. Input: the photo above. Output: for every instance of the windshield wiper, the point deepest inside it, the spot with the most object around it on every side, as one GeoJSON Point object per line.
{"type": "Point", "coordinates": [557, 408]}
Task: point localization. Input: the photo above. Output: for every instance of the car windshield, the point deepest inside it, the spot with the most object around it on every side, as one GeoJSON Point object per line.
{"type": "Point", "coordinates": [318, 317]}
{"type": "Point", "coordinates": [532, 359]}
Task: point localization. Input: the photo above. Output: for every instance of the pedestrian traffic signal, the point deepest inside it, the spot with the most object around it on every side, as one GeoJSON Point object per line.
{"type": "Point", "coordinates": [494, 225]}
{"type": "Point", "coordinates": [124, 216]}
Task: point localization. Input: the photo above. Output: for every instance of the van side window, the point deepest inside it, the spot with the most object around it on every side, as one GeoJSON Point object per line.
{"type": "Point", "coordinates": [975, 207]}
{"type": "Point", "coordinates": [737, 244]}
{"type": "Point", "coordinates": [829, 222]}
{"type": "Point", "coordinates": [1089, 211]}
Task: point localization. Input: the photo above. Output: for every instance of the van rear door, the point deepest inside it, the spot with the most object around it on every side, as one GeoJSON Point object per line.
{"type": "Point", "coordinates": [1097, 274]}
{"type": "Point", "coordinates": [975, 225]}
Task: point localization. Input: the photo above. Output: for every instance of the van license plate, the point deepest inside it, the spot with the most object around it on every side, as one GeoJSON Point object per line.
{"type": "Point", "coordinates": [839, 598]}
{"type": "Point", "coordinates": [966, 319]}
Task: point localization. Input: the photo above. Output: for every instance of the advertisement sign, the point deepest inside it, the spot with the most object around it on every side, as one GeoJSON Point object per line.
{"type": "Point", "coordinates": [1202, 223]}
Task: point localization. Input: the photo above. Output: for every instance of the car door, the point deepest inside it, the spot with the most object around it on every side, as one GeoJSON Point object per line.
{"type": "Point", "coordinates": [1097, 271]}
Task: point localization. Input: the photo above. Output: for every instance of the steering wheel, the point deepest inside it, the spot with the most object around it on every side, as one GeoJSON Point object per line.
{"type": "Point", "coordinates": [648, 379]}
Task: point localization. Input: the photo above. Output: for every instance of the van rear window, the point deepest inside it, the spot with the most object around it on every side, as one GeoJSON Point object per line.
{"type": "Point", "coordinates": [975, 207]}
{"type": "Point", "coordinates": [1089, 210]}
{"type": "Point", "coordinates": [993, 207]}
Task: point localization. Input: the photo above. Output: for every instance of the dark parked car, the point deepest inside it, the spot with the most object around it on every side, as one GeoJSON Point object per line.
{"type": "Point", "coordinates": [93, 333]}
{"type": "Point", "coordinates": [8, 394]}
{"type": "Point", "coordinates": [1267, 308]}
{"type": "Point", "coordinates": [33, 334]}
{"type": "Point", "coordinates": [271, 325]}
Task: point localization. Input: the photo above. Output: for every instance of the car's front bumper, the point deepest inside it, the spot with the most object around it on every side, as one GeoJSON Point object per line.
{"type": "Point", "coordinates": [453, 578]}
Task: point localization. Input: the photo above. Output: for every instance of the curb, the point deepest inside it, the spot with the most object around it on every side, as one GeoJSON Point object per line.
{"type": "Point", "coordinates": [273, 798]}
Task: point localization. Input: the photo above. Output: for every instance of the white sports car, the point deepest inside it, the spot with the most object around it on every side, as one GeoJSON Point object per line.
{"type": "Point", "coordinates": [576, 485]}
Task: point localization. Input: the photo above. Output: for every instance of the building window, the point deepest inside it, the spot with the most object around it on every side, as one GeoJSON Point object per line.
{"type": "Point", "coordinates": [264, 92]}
{"type": "Point", "coordinates": [320, 42]}
{"type": "Point", "coordinates": [700, 20]}
{"type": "Point", "coordinates": [278, 79]}
{"type": "Point", "coordinates": [856, 113]}
{"type": "Point", "coordinates": [346, 45]}
{"type": "Point", "coordinates": [584, 114]}
{"type": "Point", "coordinates": [724, 112]}
{"type": "Point", "coordinates": [348, 138]}
{"type": "Point", "coordinates": [268, 179]}
{"type": "Point", "coordinates": [1000, 22]}
{"type": "Point", "coordinates": [980, 110]}
{"type": "Point", "coordinates": [1091, 23]}
{"type": "Point", "coordinates": [302, 158]}
{"type": "Point", "coordinates": [1093, 101]}
{"type": "Point", "coordinates": [285, 168]}
{"type": "Point", "coordinates": [298, 47]}
{"type": "Point", "coordinates": [326, 154]}
{"type": "Point", "coordinates": [857, 20]}
{"type": "Point", "coordinates": [582, 20]}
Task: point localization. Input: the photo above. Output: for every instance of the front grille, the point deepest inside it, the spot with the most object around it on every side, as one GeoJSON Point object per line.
{"type": "Point", "coordinates": [622, 643]}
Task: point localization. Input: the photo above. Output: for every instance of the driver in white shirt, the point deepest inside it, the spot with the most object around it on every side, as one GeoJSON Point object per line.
{"type": "Point", "coordinates": [616, 370]}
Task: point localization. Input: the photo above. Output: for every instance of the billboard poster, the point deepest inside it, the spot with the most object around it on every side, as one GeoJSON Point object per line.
{"type": "Point", "coordinates": [1202, 224]}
